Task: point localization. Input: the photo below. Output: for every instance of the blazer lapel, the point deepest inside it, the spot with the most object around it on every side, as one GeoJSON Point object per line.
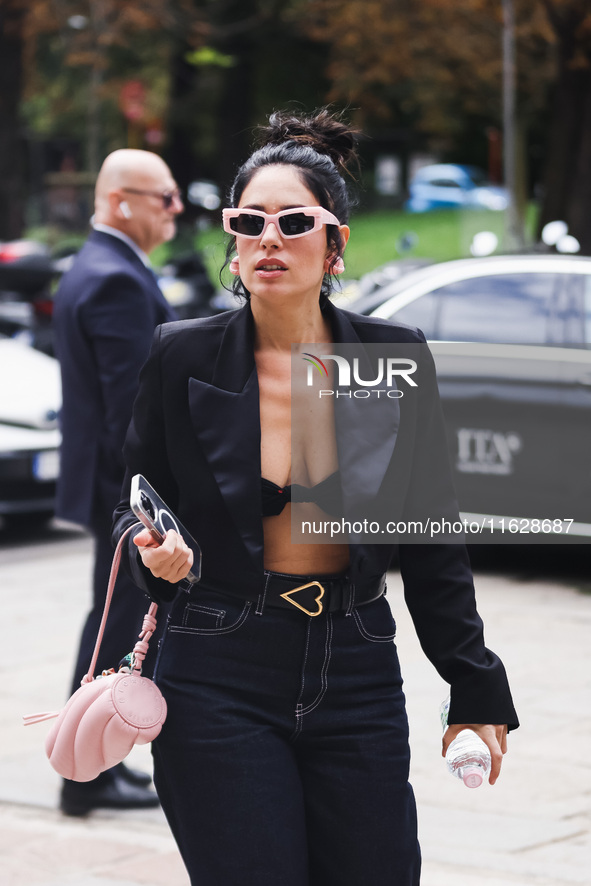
{"type": "Point", "coordinates": [225, 417]}
{"type": "Point", "coordinates": [366, 429]}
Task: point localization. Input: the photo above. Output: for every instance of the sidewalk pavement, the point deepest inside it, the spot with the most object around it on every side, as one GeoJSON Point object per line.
{"type": "Point", "coordinates": [533, 828]}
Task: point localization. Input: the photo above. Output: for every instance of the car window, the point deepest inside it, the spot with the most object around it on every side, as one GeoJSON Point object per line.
{"type": "Point", "coordinates": [421, 312]}
{"type": "Point", "coordinates": [444, 183]}
{"type": "Point", "coordinates": [570, 311]}
{"type": "Point", "coordinates": [511, 308]}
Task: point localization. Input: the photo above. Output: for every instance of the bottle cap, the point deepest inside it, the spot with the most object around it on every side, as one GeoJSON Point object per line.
{"type": "Point", "coordinates": [472, 777]}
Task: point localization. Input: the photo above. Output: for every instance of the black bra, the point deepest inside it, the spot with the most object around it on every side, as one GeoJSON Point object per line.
{"type": "Point", "coordinates": [326, 494]}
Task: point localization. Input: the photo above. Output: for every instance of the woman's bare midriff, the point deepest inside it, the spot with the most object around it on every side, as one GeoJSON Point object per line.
{"type": "Point", "coordinates": [282, 555]}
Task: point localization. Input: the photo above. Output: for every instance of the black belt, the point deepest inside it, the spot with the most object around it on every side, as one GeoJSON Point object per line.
{"type": "Point", "coordinates": [314, 595]}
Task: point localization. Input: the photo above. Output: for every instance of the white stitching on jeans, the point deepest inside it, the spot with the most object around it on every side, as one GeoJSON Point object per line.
{"type": "Point", "coordinates": [298, 707]}
{"type": "Point", "coordinates": [299, 721]}
{"type": "Point", "coordinates": [177, 629]}
{"type": "Point", "coordinates": [324, 672]}
{"type": "Point", "coordinates": [261, 600]}
{"type": "Point", "coordinates": [365, 633]}
{"type": "Point", "coordinates": [197, 607]}
{"type": "Point", "coordinates": [351, 600]}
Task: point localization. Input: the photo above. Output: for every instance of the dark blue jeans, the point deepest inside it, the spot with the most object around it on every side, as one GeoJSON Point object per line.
{"type": "Point", "coordinates": [284, 757]}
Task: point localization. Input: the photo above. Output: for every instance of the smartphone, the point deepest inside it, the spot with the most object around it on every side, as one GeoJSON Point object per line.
{"type": "Point", "coordinates": [156, 516]}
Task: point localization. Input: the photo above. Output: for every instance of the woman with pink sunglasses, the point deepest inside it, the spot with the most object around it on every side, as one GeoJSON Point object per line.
{"type": "Point", "coordinates": [284, 759]}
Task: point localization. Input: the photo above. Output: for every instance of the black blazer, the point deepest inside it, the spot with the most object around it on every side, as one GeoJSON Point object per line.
{"type": "Point", "coordinates": [195, 435]}
{"type": "Point", "coordinates": [106, 309]}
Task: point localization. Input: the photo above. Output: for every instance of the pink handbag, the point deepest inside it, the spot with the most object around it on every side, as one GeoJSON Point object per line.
{"type": "Point", "coordinates": [103, 719]}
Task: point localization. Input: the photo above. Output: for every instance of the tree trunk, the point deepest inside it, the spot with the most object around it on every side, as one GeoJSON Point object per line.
{"type": "Point", "coordinates": [236, 113]}
{"type": "Point", "coordinates": [568, 170]}
{"type": "Point", "coordinates": [11, 153]}
{"type": "Point", "coordinates": [179, 152]}
{"type": "Point", "coordinates": [579, 209]}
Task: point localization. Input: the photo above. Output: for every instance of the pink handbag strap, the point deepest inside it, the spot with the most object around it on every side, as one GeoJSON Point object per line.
{"type": "Point", "coordinates": [140, 648]}
{"type": "Point", "coordinates": [148, 627]}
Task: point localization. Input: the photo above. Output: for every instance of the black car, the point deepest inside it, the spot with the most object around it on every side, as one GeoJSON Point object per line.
{"type": "Point", "coordinates": [511, 336]}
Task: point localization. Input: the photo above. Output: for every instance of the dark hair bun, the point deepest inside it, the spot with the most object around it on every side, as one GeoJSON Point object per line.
{"type": "Point", "coordinates": [322, 130]}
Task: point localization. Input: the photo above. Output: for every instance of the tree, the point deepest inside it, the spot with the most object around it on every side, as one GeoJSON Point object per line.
{"type": "Point", "coordinates": [438, 64]}
{"type": "Point", "coordinates": [12, 21]}
{"type": "Point", "coordinates": [568, 167]}
{"type": "Point", "coordinates": [430, 58]}
{"type": "Point", "coordinates": [212, 71]}
{"type": "Point", "coordinates": [62, 65]}
{"type": "Point", "coordinates": [242, 59]}
{"type": "Point", "coordinates": [89, 49]}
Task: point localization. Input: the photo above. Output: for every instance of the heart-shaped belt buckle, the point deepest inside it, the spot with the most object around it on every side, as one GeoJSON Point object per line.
{"type": "Point", "coordinates": [318, 600]}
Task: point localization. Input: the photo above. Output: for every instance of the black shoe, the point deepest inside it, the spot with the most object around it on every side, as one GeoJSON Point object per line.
{"type": "Point", "coordinates": [109, 791]}
{"type": "Point", "coordinates": [134, 776]}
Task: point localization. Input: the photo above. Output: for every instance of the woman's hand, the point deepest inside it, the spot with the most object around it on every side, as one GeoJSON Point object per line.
{"type": "Point", "coordinates": [494, 737]}
{"type": "Point", "coordinates": [172, 560]}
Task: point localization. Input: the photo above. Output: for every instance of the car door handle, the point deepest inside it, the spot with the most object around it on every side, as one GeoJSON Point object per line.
{"type": "Point", "coordinates": [585, 379]}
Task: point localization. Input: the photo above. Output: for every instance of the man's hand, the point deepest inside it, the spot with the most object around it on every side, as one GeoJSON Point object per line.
{"type": "Point", "coordinates": [172, 560]}
{"type": "Point", "coordinates": [494, 737]}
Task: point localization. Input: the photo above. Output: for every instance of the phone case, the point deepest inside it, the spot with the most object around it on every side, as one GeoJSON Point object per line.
{"type": "Point", "coordinates": [156, 516]}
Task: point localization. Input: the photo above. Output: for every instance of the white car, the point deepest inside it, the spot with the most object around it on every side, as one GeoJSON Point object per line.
{"type": "Point", "coordinates": [30, 399]}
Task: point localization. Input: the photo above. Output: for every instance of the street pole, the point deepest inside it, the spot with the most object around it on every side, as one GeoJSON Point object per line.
{"type": "Point", "coordinates": [93, 120]}
{"type": "Point", "coordinates": [97, 27]}
{"type": "Point", "coordinates": [514, 224]}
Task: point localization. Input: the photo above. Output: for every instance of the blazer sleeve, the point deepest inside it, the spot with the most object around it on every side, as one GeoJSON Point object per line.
{"type": "Point", "coordinates": [438, 584]}
{"type": "Point", "coordinates": [145, 453]}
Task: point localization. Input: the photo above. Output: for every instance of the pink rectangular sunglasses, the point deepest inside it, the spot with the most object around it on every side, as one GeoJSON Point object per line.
{"type": "Point", "coordinates": [298, 222]}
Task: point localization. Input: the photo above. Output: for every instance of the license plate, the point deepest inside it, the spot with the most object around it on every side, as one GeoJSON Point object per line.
{"type": "Point", "coordinates": [46, 465]}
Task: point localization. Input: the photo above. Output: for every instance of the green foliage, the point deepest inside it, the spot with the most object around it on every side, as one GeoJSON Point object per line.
{"type": "Point", "coordinates": [54, 237]}
{"type": "Point", "coordinates": [441, 235]}
{"type": "Point", "coordinates": [207, 55]}
{"type": "Point", "coordinates": [211, 243]}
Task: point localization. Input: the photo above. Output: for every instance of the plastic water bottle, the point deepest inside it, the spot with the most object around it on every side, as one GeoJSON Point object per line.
{"type": "Point", "coordinates": [467, 756]}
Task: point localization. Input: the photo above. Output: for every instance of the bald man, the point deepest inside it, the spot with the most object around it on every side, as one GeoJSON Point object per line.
{"type": "Point", "coordinates": [106, 310]}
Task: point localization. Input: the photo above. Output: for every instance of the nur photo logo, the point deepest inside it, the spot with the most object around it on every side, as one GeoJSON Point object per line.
{"type": "Point", "coordinates": [347, 373]}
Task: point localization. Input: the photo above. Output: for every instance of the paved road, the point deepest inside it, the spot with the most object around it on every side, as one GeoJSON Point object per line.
{"type": "Point", "coordinates": [533, 828]}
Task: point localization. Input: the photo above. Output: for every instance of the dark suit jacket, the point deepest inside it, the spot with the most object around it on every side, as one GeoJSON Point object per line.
{"type": "Point", "coordinates": [106, 309]}
{"type": "Point", "coordinates": [195, 436]}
